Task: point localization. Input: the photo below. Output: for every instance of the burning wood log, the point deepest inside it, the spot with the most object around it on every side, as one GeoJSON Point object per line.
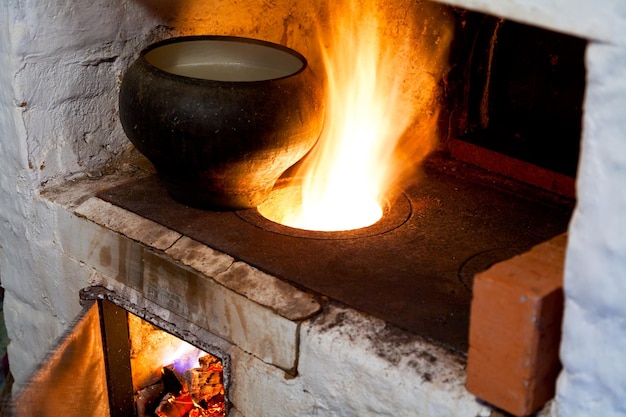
{"type": "Point", "coordinates": [171, 379]}
{"type": "Point", "coordinates": [148, 398]}
{"type": "Point", "coordinates": [199, 392]}
{"type": "Point", "coordinates": [205, 382]}
{"type": "Point", "coordinates": [175, 406]}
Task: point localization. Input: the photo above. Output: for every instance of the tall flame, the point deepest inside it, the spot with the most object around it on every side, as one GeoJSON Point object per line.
{"type": "Point", "coordinates": [383, 61]}
{"type": "Point", "coordinates": [381, 88]}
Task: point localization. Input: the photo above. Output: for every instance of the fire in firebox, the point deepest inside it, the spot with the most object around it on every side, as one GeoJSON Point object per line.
{"type": "Point", "coordinates": [189, 384]}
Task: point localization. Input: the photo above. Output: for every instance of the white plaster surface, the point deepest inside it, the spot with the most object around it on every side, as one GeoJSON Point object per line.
{"type": "Point", "coordinates": [41, 287]}
{"type": "Point", "coordinates": [127, 223]}
{"type": "Point", "coordinates": [255, 328]}
{"type": "Point", "coordinates": [246, 280]}
{"type": "Point", "coordinates": [603, 20]}
{"type": "Point", "coordinates": [593, 349]}
{"type": "Point", "coordinates": [353, 365]}
{"type": "Point", "coordinates": [59, 67]}
{"type": "Point", "coordinates": [66, 66]}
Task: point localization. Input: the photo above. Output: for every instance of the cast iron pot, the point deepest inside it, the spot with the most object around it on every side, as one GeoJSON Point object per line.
{"type": "Point", "coordinates": [221, 117]}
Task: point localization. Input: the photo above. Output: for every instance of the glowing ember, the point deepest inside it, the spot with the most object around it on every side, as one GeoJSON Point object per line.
{"type": "Point", "coordinates": [369, 52]}
{"type": "Point", "coordinates": [192, 384]}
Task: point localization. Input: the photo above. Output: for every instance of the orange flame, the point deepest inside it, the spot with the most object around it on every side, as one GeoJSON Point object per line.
{"type": "Point", "coordinates": [382, 81]}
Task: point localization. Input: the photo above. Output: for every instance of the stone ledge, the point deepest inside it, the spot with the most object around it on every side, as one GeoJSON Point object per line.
{"type": "Point", "coordinates": [205, 302]}
{"type": "Point", "coordinates": [246, 280]}
{"type": "Point", "coordinates": [73, 191]}
{"type": "Point", "coordinates": [127, 223]}
{"type": "Point", "coordinates": [254, 310]}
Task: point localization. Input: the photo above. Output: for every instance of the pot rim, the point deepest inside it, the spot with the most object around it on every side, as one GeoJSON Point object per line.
{"type": "Point", "coordinates": [237, 39]}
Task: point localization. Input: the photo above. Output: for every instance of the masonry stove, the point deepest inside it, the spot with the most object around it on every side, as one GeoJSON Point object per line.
{"type": "Point", "coordinates": [413, 269]}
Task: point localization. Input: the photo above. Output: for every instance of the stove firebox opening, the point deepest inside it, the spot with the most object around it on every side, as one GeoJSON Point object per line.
{"type": "Point", "coordinates": [113, 363]}
{"type": "Point", "coordinates": [172, 377]}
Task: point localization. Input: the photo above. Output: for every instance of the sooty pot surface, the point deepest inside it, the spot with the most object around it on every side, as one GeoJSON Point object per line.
{"type": "Point", "coordinates": [221, 118]}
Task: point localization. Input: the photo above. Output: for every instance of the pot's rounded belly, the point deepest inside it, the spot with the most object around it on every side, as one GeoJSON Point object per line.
{"type": "Point", "coordinates": [220, 144]}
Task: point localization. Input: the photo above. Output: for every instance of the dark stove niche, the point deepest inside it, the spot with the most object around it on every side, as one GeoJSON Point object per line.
{"type": "Point", "coordinates": [517, 90]}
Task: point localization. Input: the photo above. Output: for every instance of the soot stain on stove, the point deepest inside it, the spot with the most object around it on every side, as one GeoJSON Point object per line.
{"type": "Point", "coordinates": [338, 320]}
{"type": "Point", "coordinates": [105, 257]}
{"type": "Point", "coordinates": [394, 345]}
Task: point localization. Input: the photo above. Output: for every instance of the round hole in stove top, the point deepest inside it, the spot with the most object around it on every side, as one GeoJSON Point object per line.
{"type": "Point", "coordinates": [396, 211]}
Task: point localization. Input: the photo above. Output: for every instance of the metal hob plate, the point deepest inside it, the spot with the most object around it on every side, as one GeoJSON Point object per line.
{"type": "Point", "coordinates": [414, 271]}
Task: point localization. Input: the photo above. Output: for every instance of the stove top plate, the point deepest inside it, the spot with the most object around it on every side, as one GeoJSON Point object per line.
{"type": "Point", "coordinates": [416, 276]}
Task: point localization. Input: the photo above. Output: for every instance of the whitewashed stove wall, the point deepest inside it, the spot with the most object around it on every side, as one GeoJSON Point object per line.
{"type": "Point", "coordinates": [60, 61]}
{"type": "Point", "coordinates": [59, 66]}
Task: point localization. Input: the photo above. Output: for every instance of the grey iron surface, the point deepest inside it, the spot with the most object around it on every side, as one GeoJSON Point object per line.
{"type": "Point", "coordinates": [417, 276]}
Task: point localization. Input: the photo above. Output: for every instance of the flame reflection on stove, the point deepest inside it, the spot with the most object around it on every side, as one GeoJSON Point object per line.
{"type": "Point", "coordinates": [382, 78]}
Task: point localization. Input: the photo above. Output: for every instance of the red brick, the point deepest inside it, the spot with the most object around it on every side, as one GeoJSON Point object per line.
{"type": "Point", "coordinates": [515, 329]}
